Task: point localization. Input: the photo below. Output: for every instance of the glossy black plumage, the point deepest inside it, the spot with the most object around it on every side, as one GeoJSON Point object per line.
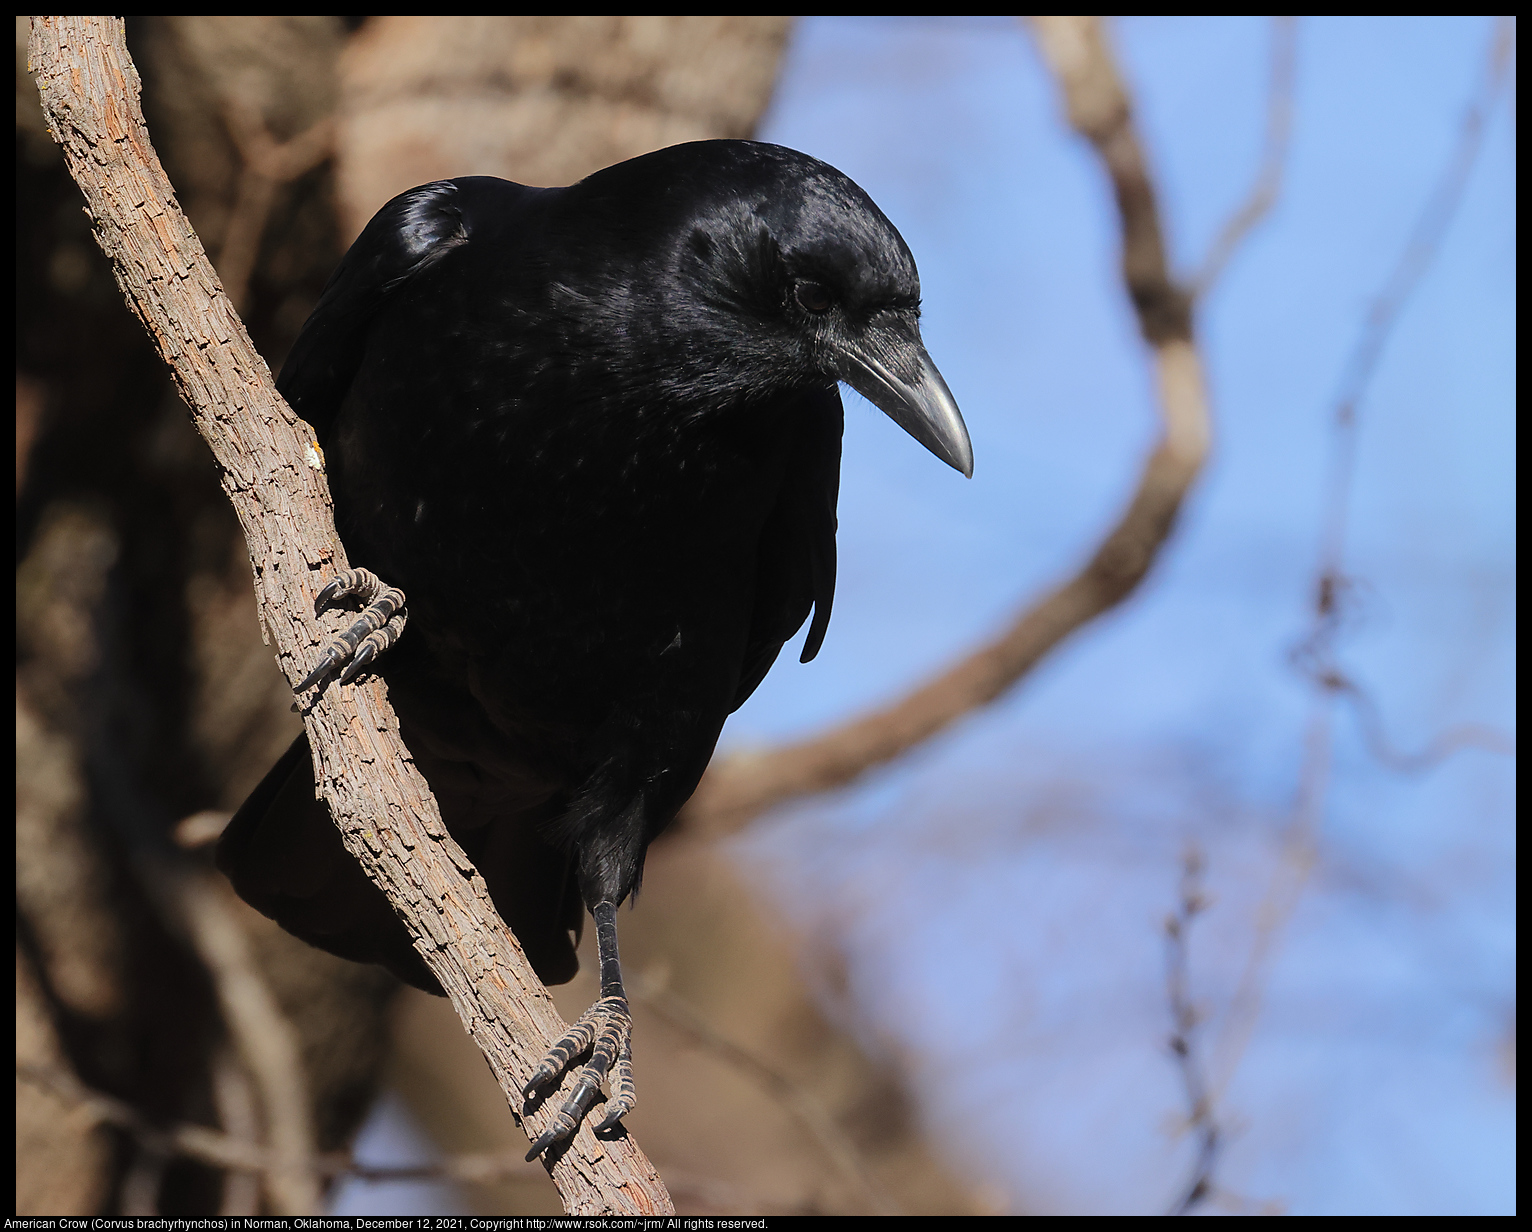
{"type": "Point", "coordinates": [593, 433]}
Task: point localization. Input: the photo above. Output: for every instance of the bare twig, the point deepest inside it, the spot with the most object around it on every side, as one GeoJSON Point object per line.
{"type": "Point", "coordinates": [243, 1157]}
{"type": "Point", "coordinates": [267, 1042]}
{"type": "Point", "coordinates": [234, 1100]}
{"type": "Point", "coordinates": [1424, 241]}
{"type": "Point", "coordinates": [742, 786]}
{"type": "Point", "coordinates": [388, 819]}
{"type": "Point", "coordinates": [139, 1197]}
{"type": "Point", "coordinates": [267, 165]}
{"type": "Point", "coordinates": [200, 829]}
{"type": "Point", "coordinates": [1268, 180]}
{"type": "Point", "coordinates": [192, 904]}
{"type": "Point", "coordinates": [1369, 716]}
{"type": "Point", "coordinates": [723, 1196]}
{"type": "Point", "coordinates": [1185, 1019]}
{"type": "Point", "coordinates": [1316, 656]}
{"type": "Point", "coordinates": [799, 1104]}
{"type": "Point", "coordinates": [189, 1141]}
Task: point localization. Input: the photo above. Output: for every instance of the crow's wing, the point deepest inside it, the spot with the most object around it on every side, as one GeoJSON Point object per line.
{"type": "Point", "coordinates": [795, 564]}
{"type": "Point", "coordinates": [409, 234]}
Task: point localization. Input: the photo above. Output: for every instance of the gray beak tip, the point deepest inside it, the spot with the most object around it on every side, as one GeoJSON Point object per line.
{"type": "Point", "coordinates": [922, 405]}
{"type": "Point", "coordinates": [963, 463]}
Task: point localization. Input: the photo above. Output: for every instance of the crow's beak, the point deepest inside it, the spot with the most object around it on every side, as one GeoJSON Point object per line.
{"type": "Point", "coordinates": [895, 374]}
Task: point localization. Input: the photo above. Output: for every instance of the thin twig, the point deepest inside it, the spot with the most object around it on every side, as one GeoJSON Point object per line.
{"type": "Point", "coordinates": [244, 1157]}
{"type": "Point", "coordinates": [139, 1197]}
{"type": "Point", "coordinates": [1316, 655]}
{"type": "Point", "coordinates": [234, 1101]}
{"type": "Point", "coordinates": [1438, 748]}
{"type": "Point", "coordinates": [267, 1041]}
{"type": "Point", "coordinates": [740, 787]}
{"type": "Point", "coordinates": [1424, 241]}
{"type": "Point", "coordinates": [200, 829]}
{"type": "Point", "coordinates": [1185, 1019]}
{"type": "Point", "coordinates": [266, 165]}
{"type": "Point", "coordinates": [193, 905]}
{"type": "Point", "coordinates": [1268, 180]}
{"type": "Point", "coordinates": [207, 1146]}
{"type": "Point", "coordinates": [799, 1104]}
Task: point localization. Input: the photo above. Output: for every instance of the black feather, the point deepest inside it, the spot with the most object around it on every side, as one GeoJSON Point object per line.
{"type": "Point", "coordinates": [593, 434]}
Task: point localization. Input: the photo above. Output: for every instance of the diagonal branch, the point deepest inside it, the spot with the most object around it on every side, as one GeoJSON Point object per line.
{"type": "Point", "coordinates": [242, 1157]}
{"type": "Point", "coordinates": [1268, 180]}
{"type": "Point", "coordinates": [742, 786]}
{"type": "Point", "coordinates": [385, 811]}
{"type": "Point", "coordinates": [1317, 656]}
{"type": "Point", "coordinates": [799, 1104]}
{"type": "Point", "coordinates": [266, 165]}
{"type": "Point", "coordinates": [267, 1042]}
{"type": "Point", "coordinates": [1184, 1043]}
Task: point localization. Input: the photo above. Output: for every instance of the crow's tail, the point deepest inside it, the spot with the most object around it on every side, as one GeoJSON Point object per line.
{"type": "Point", "coordinates": [285, 858]}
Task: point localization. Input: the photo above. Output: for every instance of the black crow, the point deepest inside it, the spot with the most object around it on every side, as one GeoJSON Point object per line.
{"type": "Point", "coordinates": [593, 433]}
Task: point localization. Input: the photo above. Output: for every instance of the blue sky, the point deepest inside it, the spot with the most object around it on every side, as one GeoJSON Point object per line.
{"type": "Point", "coordinates": [1007, 882]}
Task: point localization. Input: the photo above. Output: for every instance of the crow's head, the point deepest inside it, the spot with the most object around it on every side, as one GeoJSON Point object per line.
{"type": "Point", "coordinates": [778, 266]}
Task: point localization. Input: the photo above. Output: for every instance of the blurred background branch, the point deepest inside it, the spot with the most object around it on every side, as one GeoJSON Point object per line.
{"type": "Point", "coordinates": [1317, 656]}
{"type": "Point", "coordinates": [1268, 180]}
{"type": "Point", "coordinates": [1185, 1018]}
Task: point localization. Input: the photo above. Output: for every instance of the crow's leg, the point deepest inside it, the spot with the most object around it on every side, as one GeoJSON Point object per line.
{"type": "Point", "coordinates": [607, 1030]}
{"type": "Point", "coordinates": [378, 627]}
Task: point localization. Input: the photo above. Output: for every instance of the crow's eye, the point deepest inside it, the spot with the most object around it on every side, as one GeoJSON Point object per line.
{"type": "Point", "coordinates": [813, 297]}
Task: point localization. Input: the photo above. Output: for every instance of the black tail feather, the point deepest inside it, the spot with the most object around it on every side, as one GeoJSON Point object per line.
{"type": "Point", "coordinates": [285, 858]}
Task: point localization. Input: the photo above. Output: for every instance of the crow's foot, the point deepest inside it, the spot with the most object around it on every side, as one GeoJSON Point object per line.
{"type": "Point", "coordinates": [378, 627]}
{"type": "Point", "coordinates": [607, 1030]}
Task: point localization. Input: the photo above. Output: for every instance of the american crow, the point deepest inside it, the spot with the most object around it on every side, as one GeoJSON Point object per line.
{"type": "Point", "coordinates": [594, 434]}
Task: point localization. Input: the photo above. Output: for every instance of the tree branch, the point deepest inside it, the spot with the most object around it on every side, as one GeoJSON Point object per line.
{"type": "Point", "coordinates": [383, 807]}
{"type": "Point", "coordinates": [267, 164]}
{"type": "Point", "coordinates": [1185, 1019]}
{"type": "Point", "coordinates": [742, 786]}
{"type": "Point", "coordinates": [242, 1157]}
{"type": "Point", "coordinates": [267, 1042]}
{"type": "Point", "coordinates": [1318, 655]}
{"type": "Point", "coordinates": [1268, 180]}
{"type": "Point", "coordinates": [799, 1104]}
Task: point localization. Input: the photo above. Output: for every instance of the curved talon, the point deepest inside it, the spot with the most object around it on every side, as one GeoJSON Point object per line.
{"type": "Point", "coordinates": [327, 661]}
{"type": "Point", "coordinates": [331, 592]}
{"type": "Point", "coordinates": [373, 632]}
{"type": "Point", "coordinates": [610, 1051]}
{"type": "Point", "coordinates": [567, 1119]}
{"type": "Point", "coordinates": [624, 1092]}
{"type": "Point", "coordinates": [364, 655]}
